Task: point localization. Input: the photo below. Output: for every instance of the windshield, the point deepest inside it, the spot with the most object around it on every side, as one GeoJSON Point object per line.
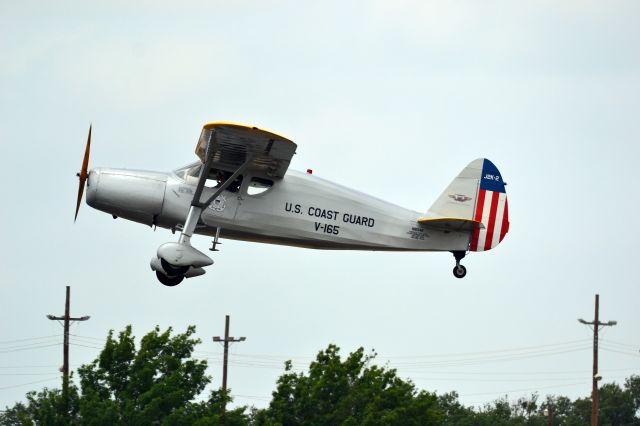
{"type": "Point", "coordinates": [192, 169]}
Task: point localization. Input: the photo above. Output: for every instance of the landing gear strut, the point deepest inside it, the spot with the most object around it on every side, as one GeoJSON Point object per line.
{"type": "Point", "coordinates": [459, 271]}
{"type": "Point", "coordinates": [215, 242]}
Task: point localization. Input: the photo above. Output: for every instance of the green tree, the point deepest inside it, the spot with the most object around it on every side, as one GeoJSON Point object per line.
{"type": "Point", "coordinates": [349, 392]}
{"type": "Point", "coordinates": [455, 414]}
{"type": "Point", "coordinates": [46, 407]}
{"type": "Point", "coordinates": [498, 413]}
{"type": "Point", "coordinates": [632, 385]}
{"type": "Point", "coordinates": [616, 406]}
{"type": "Point", "coordinates": [208, 413]}
{"type": "Point", "coordinates": [154, 384]}
{"type": "Point", "coordinates": [125, 386]}
{"type": "Point", "coordinates": [562, 411]}
{"type": "Point", "coordinates": [158, 383]}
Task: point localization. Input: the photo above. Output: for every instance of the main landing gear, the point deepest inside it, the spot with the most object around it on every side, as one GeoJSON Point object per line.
{"type": "Point", "coordinates": [459, 271]}
{"type": "Point", "coordinates": [169, 281]}
{"type": "Point", "coordinates": [176, 261]}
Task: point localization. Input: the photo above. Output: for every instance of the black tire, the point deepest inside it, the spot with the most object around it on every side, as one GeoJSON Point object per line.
{"type": "Point", "coordinates": [459, 271]}
{"type": "Point", "coordinates": [172, 269]}
{"type": "Point", "coordinates": [169, 281]}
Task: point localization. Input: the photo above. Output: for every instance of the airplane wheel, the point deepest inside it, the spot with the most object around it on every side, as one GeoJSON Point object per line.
{"type": "Point", "coordinates": [173, 270]}
{"type": "Point", "coordinates": [459, 271]}
{"type": "Point", "coordinates": [169, 281]}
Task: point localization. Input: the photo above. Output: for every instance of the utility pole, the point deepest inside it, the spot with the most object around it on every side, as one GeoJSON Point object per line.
{"type": "Point", "coordinates": [596, 325]}
{"type": "Point", "coordinates": [549, 411]}
{"type": "Point", "coordinates": [226, 342]}
{"type": "Point", "coordinates": [65, 366]}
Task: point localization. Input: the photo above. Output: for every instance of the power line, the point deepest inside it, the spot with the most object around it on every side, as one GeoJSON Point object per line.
{"type": "Point", "coordinates": [504, 380]}
{"type": "Point", "coordinates": [485, 360]}
{"type": "Point", "coordinates": [29, 366]}
{"type": "Point", "coordinates": [263, 398]}
{"type": "Point", "coordinates": [524, 390]}
{"type": "Point", "coordinates": [95, 339]}
{"type": "Point", "coordinates": [534, 348]}
{"type": "Point", "coordinates": [524, 373]}
{"type": "Point", "coordinates": [613, 342]}
{"type": "Point", "coordinates": [631, 354]}
{"type": "Point", "coordinates": [84, 346]}
{"type": "Point", "coordinates": [4, 342]}
{"type": "Point", "coordinates": [27, 348]}
{"type": "Point", "coordinates": [433, 361]}
{"type": "Point", "coordinates": [29, 383]}
{"type": "Point", "coordinates": [259, 362]}
{"type": "Point", "coordinates": [26, 374]}
{"type": "Point", "coordinates": [533, 351]}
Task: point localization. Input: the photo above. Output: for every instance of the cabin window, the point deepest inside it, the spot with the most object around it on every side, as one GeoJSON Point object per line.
{"type": "Point", "coordinates": [218, 177]}
{"type": "Point", "coordinates": [258, 186]}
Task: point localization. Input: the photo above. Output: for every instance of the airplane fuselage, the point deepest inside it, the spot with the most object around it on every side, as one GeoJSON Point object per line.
{"type": "Point", "coordinates": [299, 210]}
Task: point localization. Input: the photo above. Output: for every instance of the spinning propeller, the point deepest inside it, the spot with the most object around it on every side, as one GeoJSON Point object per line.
{"type": "Point", "coordinates": [82, 176]}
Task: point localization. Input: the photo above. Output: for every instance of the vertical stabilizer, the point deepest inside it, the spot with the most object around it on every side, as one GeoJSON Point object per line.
{"type": "Point", "coordinates": [477, 193]}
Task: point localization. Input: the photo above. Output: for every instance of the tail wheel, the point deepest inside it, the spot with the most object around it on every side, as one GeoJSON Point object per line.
{"type": "Point", "coordinates": [459, 271]}
{"type": "Point", "coordinates": [169, 281]}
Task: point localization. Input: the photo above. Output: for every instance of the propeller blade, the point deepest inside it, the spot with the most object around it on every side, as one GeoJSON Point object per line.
{"type": "Point", "coordinates": [83, 173]}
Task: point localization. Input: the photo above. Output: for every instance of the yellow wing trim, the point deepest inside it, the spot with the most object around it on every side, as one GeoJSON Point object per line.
{"type": "Point", "coordinates": [215, 124]}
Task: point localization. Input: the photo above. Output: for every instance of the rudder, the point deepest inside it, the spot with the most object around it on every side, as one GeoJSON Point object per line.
{"type": "Point", "coordinates": [491, 208]}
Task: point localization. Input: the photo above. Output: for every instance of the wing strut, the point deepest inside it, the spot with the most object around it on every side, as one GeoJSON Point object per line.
{"type": "Point", "coordinates": [197, 206]}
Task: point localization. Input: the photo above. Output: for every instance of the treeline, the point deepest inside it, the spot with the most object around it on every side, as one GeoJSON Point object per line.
{"type": "Point", "coordinates": [158, 382]}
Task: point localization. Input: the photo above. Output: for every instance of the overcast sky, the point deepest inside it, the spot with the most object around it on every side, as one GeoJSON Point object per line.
{"type": "Point", "coordinates": [392, 98]}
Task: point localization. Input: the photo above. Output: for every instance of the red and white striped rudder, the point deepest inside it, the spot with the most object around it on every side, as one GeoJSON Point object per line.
{"type": "Point", "coordinates": [491, 208]}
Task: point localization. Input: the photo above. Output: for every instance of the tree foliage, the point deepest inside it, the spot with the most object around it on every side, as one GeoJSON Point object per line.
{"type": "Point", "coordinates": [153, 384]}
{"type": "Point", "coordinates": [144, 386]}
{"type": "Point", "coordinates": [160, 383]}
{"type": "Point", "coordinates": [349, 392]}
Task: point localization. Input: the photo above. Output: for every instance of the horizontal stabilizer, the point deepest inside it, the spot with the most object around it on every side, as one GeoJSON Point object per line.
{"type": "Point", "coordinates": [450, 224]}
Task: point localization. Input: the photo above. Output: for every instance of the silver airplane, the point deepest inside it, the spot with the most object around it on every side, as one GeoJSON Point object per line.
{"type": "Point", "coordinates": [240, 188]}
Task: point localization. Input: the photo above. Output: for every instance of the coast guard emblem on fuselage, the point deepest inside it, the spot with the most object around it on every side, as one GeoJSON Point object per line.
{"type": "Point", "coordinates": [218, 204]}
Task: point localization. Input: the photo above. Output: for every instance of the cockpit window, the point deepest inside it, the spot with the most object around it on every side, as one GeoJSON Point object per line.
{"type": "Point", "coordinates": [194, 171]}
{"type": "Point", "coordinates": [190, 170]}
{"type": "Point", "coordinates": [259, 185]}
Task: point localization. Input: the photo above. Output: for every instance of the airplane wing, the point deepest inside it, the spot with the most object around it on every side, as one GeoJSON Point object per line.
{"type": "Point", "coordinates": [232, 144]}
{"type": "Point", "coordinates": [450, 224]}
